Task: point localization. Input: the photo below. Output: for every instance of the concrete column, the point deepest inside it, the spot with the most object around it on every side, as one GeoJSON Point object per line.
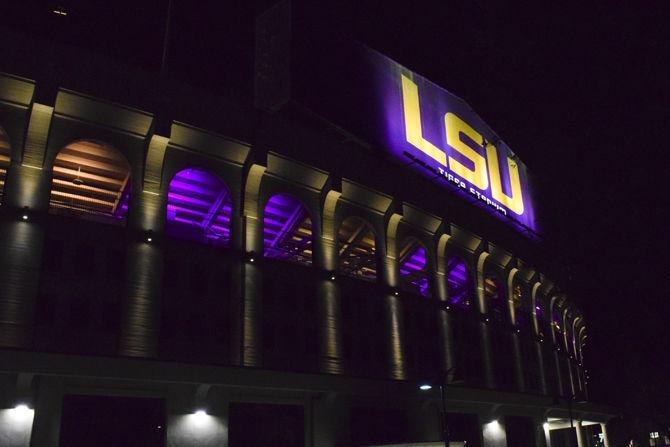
{"type": "Point", "coordinates": [21, 244]}
{"type": "Point", "coordinates": [541, 433]}
{"type": "Point", "coordinates": [393, 316]}
{"type": "Point", "coordinates": [46, 426]}
{"type": "Point", "coordinates": [444, 325]}
{"type": "Point", "coordinates": [330, 327]}
{"type": "Point", "coordinates": [251, 314]}
{"type": "Point", "coordinates": [559, 376]}
{"type": "Point", "coordinates": [493, 434]}
{"type": "Point", "coordinates": [140, 320]}
{"type": "Point", "coordinates": [518, 362]}
{"type": "Point", "coordinates": [140, 317]}
{"type": "Point", "coordinates": [424, 418]}
{"type": "Point", "coordinates": [246, 298]}
{"type": "Point", "coordinates": [547, 434]}
{"type": "Point", "coordinates": [581, 442]}
{"type": "Point", "coordinates": [573, 388]}
{"type": "Point", "coordinates": [329, 301]}
{"type": "Point", "coordinates": [606, 440]}
{"type": "Point", "coordinates": [249, 303]}
{"type": "Point", "coordinates": [540, 364]}
{"type": "Point", "coordinates": [487, 354]}
{"type": "Point", "coordinates": [326, 421]}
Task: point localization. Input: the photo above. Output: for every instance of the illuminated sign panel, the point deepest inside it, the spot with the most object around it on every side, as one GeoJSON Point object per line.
{"type": "Point", "coordinates": [445, 139]}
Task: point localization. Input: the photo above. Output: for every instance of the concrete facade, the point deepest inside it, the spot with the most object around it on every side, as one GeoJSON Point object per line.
{"type": "Point", "coordinates": [528, 371]}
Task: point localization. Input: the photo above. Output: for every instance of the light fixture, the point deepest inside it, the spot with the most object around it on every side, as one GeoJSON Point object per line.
{"type": "Point", "coordinates": [396, 293]}
{"type": "Point", "coordinates": [77, 181]}
{"type": "Point", "coordinates": [199, 416]}
{"type": "Point", "coordinates": [21, 412]}
{"type": "Point", "coordinates": [25, 215]}
{"type": "Point", "coordinates": [425, 387]}
{"type": "Point", "coordinates": [149, 236]}
{"type": "Point", "coordinates": [545, 425]}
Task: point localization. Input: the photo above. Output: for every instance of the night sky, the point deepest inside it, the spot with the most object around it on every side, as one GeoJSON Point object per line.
{"type": "Point", "coordinates": [578, 92]}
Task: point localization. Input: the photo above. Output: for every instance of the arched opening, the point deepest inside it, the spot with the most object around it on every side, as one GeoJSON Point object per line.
{"type": "Point", "coordinates": [494, 294]}
{"type": "Point", "coordinates": [356, 249]}
{"type": "Point", "coordinates": [413, 268]}
{"type": "Point", "coordinates": [287, 230]}
{"type": "Point", "coordinates": [460, 286]}
{"type": "Point", "coordinates": [557, 324]}
{"type": "Point", "coordinates": [521, 304]}
{"type": "Point", "coordinates": [91, 181]}
{"type": "Point", "coordinates": [5, 159]}
{"type": "Point", "coordinates": [199, 208]}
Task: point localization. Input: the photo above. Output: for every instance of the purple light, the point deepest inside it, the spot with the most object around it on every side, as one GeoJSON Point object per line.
{"type": "Point", "coordinates": [459, 283]}
{"type": "Point", "coordinates": [199, 208]}
{"type": "Point", "coordinates": [413, 272]}
{"type": "Point", "coordinates": [287, 230]}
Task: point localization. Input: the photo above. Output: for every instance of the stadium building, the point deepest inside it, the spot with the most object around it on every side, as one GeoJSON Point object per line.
{"type": "Point", "coordinates": [353, 259]}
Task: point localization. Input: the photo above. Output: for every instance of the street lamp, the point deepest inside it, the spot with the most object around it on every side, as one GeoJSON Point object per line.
{"type": "Point", "coordinates": [570, 398]}
{"type": "Point", "coordinates": [442, 382]}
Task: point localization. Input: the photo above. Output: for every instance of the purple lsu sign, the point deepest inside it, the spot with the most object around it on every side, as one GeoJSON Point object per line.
{"type": "Point", "coordinates": [444, 137]}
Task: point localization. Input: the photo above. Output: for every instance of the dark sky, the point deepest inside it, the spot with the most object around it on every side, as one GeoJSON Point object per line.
{"type": "Point", "coordinates": [578, 91]}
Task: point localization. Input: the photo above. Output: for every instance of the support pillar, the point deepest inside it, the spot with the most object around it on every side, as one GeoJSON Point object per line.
{"type": "Point", "coordinates": [140, 318]}
{"type": "Point", "coordinates": [329, 306]}
{"type": "Point", "coordinates": [606, 439]}
{"type": "Point", "coordinates": [48, 404]}
{"type": "Point", "coordinates": [580, 434]}
{"type": "Point", "coordinates": [487, 354]}
{"type": "Point", "coordinates": [327, 424]}
{"type": "Point", "coordinates": [518, 362]}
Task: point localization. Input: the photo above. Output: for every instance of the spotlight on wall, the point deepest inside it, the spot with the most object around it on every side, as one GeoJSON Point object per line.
{"type": "Point", "coordinates": [545, 425]}
{"type": "Point", "coordinates": [425, 387]}
{"type": "Point", "coordinates": [200, 416]}
{"type": "Point", "coordinates": [250, 257]}
{"type": "Point", "coordinates": [149, 236]}
{"type": "Point", "coordinates": [21, 412]}
{"type": "Point", "coordinates": [25, 215]}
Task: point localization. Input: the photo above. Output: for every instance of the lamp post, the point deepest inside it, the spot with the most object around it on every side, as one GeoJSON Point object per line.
{"type": "Point", "coordinates": [570, 398]}
{"type": "Point", "coordinates": [442, 384]}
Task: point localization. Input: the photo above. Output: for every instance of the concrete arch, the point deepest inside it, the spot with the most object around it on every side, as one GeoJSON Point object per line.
{"type": "Point", "coordinates": [440, 282]}
{"type": "Point", "coordinates": [199, 207]}
{"type": "Point", "coordinates": [329, 258]}
{"type": "Point", "coordinates": [5, 159]}
{"type": "Point", "coordinates": [575, 322]}
{"type": "Point", "coordinates": [291, 219]}
{"type": "Point", "coordinates": [534, 304]}
{"type": "Point", "coordinates": [554, 302]}
{"type": "Point", "coordinates": [91, 179]}
{"type": "Point", "coordinates": [253, 241]}
{"type": "Point", "coordinates": [482, 304]}
{"type": "Point", "coordinates": [408, 245]}
{"type": "Point", "coordinates": [510, 294]}
{"type": "Point", "coordinates": [391, 256]}
{"type": "Point", "coordinates": [356, 242]}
